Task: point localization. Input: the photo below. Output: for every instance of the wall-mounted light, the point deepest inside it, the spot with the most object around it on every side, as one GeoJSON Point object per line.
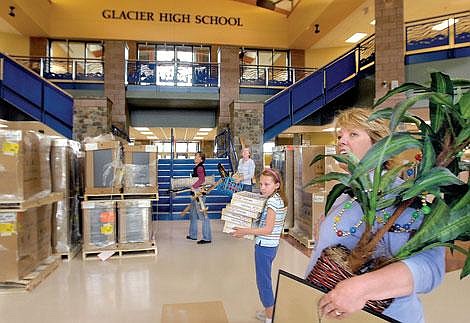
{"type": "Point", "coordinates": [12, 11]}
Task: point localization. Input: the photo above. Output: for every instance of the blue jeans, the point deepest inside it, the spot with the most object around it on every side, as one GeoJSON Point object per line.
{"type": "Point", "coordinates": [264, 257]}
{"type": "Point", "coordinates": [248, 188]}
{"type": "Point", "coordinates": [196, 214]}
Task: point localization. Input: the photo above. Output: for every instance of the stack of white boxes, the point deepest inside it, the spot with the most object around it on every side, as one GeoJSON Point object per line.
{"type": "Point", "coordinates": [244, 209]}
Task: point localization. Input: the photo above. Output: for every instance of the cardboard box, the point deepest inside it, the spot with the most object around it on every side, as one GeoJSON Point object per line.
{"type": "Point", "coordinates": [140, 169]}
{"type": "Point", "coordinates": [18, 244]}
{"type": "Point", "coordinates": [103, 172]}
{"type": "Point", "coordinates": [99, 225]}
{"type": "Point", "coordinates": [135, 221]}
{"type": "Point", "coordinates": [24, 165]}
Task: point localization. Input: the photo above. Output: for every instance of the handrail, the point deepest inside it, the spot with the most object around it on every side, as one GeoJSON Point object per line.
{"type": "Point", "coordinates": [227, 148]}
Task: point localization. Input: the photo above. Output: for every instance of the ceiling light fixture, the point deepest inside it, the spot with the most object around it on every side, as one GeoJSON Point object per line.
{"type": "Point", "coordinates": [205, 129]}
{"type": "Point", "coordinates": [141, 128]}
{"type": "Point", "coordinates": [372, 22]}
{"type": "Point", "coordinates": [328, 130]}
{"type": "Point", "coordinates": [202, 133]}
{"type": "Point", "coordinates": [198, 138]}
{"type": "Point", "coordinates": [152, 137]}
{"type": "Point", "coordinates": [147, 132]}
{"type": "Point", "coordinates": [356, 37]}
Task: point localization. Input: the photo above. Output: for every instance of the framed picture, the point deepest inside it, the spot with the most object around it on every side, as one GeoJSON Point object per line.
{"type": "Point", "coordinates": [296, 302]}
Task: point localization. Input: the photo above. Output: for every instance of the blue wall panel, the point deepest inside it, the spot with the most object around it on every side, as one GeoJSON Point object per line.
{"type": "Point", "coordinates": [340, 70]}
{"type": "Point", "coordinates": [22, 82]}
{"type": "Point", "coordinates": [307, 110]}
{"type": "Point", "coordinates": [18, 101]}
{"type": "Point", "coordinates": [58, 104]}
{"type": "Point", "coordinates": [307, 90]}
{"type": "Point", "coordinates": [277, 109]}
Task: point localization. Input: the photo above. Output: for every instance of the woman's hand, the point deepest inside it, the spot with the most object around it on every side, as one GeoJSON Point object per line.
{"type": "Point", "coordinates": [346, 298]}
{"type": "Point", "coordinates": [240, 232]}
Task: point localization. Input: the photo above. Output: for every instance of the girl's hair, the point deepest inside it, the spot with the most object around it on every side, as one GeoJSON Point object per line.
{"type": "Point", "coordinates": [274, 174]}
{"type": "Point", "coordinates": [202, 155]}
{"type": "Point", "coordinates": [357, 118]}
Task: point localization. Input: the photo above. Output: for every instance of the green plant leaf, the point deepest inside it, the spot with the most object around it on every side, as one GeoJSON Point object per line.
{"type": "Point", "coordinates": [402, 107]}
{"type": "Point", "coordinates": [335, 192]}
{"type": "Point", "coordinates": [385, 203]}
{"type": "Point", "coordinates": [436, 177]}
{"type": "Point", "coordinates": [464, 104]}
{"type": "Point", "coordinates": [341, 177]}
{"type": "Point", "coordinates": [386, 113]}
{"type": "Point", "coordinates": [428, 153]}
{"type": "Point", "coordinates": [402, 88]}
{"type": "Point", "coordinates": [463, 137]}
{"type": "Point", "coordinates": [391, 175]}
{"type": "Point", "coordinates": [461, 82]}
{"type": "Point", "coordinates": [442, 83]}
{"type": "Point", "coordinates": [466, 268]}
{"type": "Point", "coordinates": [398, 143]}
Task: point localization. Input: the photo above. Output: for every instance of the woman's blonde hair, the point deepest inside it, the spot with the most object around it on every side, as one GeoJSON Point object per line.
{"type": "Point", "coordinates": [357, 118]}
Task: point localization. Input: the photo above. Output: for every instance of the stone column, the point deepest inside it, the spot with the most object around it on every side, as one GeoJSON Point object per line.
{"type": "Point", "coordinates": [91, 117]}
{"type": "Point", "coordinates": [37, 46]}
{"type": "Point", "coordinates": [114, 88]}
{"type": "Point", "coordinates": [229, 82]}
{"type": "Point", "coordinates": [389, 47]}
{"type": "Point", "coordinates": [247, 125]}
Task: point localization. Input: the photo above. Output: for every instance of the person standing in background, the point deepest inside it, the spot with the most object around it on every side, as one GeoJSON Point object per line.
{"type": "Point", "coordinates": [199, 171]}
{"type": "Point", "coordinates": [246, 170]}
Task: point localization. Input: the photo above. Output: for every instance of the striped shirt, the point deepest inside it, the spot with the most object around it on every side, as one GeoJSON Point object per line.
{"type": "Point", "coordinates": [277, 205]}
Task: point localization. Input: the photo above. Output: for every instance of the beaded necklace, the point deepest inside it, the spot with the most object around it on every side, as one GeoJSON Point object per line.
{"type": "Point", "coordinates": [401, 228]}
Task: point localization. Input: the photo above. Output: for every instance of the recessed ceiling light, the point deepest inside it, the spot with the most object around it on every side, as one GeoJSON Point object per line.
{"type": "Point", "coordinates": [205, 129]}
{"type": "Point", "coordinates": [152, 137]}
{"type": "Point", "coordinates": [202, 134]}
{"type": "Point", "coordinates": [141, 128]}
{"type": "Point", "coordinates": [3, 126]}
{"type": "Point", "coordinates": [444, 24]}
{"type": "Point", "coordinates": [356, 37]}
{"type": "Point", "coordinates": [147, 132]}
{"type": "Point", "coordinates": [372, 22]}
{"type": "Point", "coordinates": [198, 138]}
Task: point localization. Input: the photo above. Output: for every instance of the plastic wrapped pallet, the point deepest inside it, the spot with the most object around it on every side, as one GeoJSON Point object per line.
{"type": "Point", "coordinates": [103, 172]}
{"type": "Point", "coordinates": [304, 222]}
{"type": "Point", "coordinates": [99, 225]}
{"type": "Point", "coordinates": [140, 169]}
{"type": "Point", "coordinates": [243, 211]}
{"type": "Point", "coordinates": [24, 165]}
{"type": "Point", "coordinates": [66, 226]}
{"type": "Point", "coordinates": [135, 221]}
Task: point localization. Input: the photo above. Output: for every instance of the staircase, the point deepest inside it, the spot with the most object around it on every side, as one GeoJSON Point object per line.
{"type": "Point", "coordinates": [169, 206]}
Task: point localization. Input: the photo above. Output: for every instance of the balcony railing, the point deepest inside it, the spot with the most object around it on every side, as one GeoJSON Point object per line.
{"type": "Point", "coordinates": [171, 73]}
{"type": "Point", "coordinates": [272, 76]}
{"type": "Point", "coordinates": [438, 33]}
{"type": "Point", "coordinates": [60, 69]}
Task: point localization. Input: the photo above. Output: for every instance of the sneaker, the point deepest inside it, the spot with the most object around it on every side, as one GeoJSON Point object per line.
{"type": "Point", "coordinates": [189, 238]}
{"type": "Point", "coordinates": [203, 241]}
{"type": "Point", "coordinates": [261, 315]}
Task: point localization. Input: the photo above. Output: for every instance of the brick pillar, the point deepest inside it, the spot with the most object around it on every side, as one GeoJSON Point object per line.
{"type": "Point", "coordinates": [389, 47]}
{"type": "Point", "coordinates": [91, 117]}
{"type": "Point", "coordinates": [229, 82]}
{"type": "Point", "coordinates": [38, 46]}
{"type": "Point", "coordinates": [132, 47]}
{"type": "Point", "coordinates": [247, 123]}
{"type": "Point", "coordinates": [114, 89]}
{"type": "Point", "coordinates": [297, 57]}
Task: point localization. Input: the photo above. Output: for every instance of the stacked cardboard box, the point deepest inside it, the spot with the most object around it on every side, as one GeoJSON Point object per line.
{"type": "Point", "coordinates": [24, 165]}
{"type": "Point", "coordinates": [242, 211]}
{"type": "Point", "coordinates": [103, 172]}
{"type": "Point", "coordinates": [25, 238]}
{"type": "Point", "coordinates": [134, 221]}
{"type": "Point", "coordinates": [307, 215]}
{"type": "Point", "coordinates": [140, 169]}
{"type": "Point", "coordinates": [99, 225]}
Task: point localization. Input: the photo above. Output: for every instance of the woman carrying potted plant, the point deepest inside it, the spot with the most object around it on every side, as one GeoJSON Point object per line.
{"type": "Point", "coordinates": [393, 288]}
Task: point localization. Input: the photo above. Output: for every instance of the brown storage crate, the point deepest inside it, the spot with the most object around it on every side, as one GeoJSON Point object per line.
{"type": "Point", "coordinates": [135, 221]}
{"type": "Point", "coordinates": [103, 167]}
{"type": "Point", "coordinates": [24, 165]}
{"type": "Point", "coordinates": [99, 225]}
{"type": "Point", "coordinates": [19, 244]}
{"type": "Point", "coordinates": [140, 169]}
{"type": "Point", "coordinates": [44, 215]}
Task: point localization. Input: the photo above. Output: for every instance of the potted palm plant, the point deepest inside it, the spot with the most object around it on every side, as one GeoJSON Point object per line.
{"type": "Point", "coordinates": [442, 144]}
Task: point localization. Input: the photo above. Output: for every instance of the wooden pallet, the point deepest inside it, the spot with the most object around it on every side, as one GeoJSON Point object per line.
{"type": "Point", "coordinates": [30, 281]}
{"type": "Point", "coordinates": [302, 239]}
{"type": "Point", "coordinates": [17, 206]}
{"type": "Point", "coordinates": [121, 196]}
{"type": "Point", "coordinates": [67, 256]}
{"type": "Point", "coordinates": [129, 250]}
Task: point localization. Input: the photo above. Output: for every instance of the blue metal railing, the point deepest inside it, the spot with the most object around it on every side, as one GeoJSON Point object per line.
{"type": "Point", "coordinates": [35, 96]}
{"type": "Point", "coordinates": [298, 101]}
{"type": "Point", "coordinates": [172, 73]}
